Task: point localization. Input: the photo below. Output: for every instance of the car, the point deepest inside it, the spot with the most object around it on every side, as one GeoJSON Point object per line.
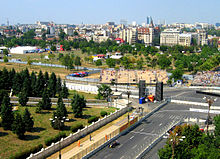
{"type": "Point", "coordinates": [114, 144]}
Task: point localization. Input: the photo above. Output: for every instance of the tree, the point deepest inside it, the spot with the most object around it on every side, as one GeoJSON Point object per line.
{"type": "Point", "coordinates": [3, 93]}
{"type": "Point", "coordinates": [177, 74]}
{"type": "Point", "coordinates": [6, 113]}
{"type": "Point", "coordinates": [77, 61]}
{"type": "Point", "coordinates": [61, 109]}
{"type": "Point", "coordinates": [104, 91]}
{"type": "Point", "coordinates": [39, 85]}
{"type": "Point", "coordinates": [45, 103]}
{"type": "Point", "coordinates": [5, 52]}
{"type": "Point", "coordinates": [59, 86]}
{"type": "Point", "coordinates": [163, 62]}
{"type": "Point", "coordinates": [33, 80]}
{"type": "Point", "coordinates": [53, 48]}
{"type": "Point", "coordinates": [78, 103]}
{"type": "Point", "coordinates": [217, 125]}
{"type": "Point", "coordinates": [5, 59]}
{"type": "Point", "coordinates": [18, 126]}
{"type": "Point", "coordinates": [65, 91]}
{"type": "Point", "coordinates": [28, 120]}
{"type": "Point", "coordinates": [52, 85]}
{"type": "Point", "coordinates": [98, 62]}
{"type": "Point", "coordinates": [110, 62]}
{"type": "Point", "coordinates": [23, 98]}
{"type": "Point", "coordinates": [29, 61]}
{"type": "Point", "coordinates": [62, 34]}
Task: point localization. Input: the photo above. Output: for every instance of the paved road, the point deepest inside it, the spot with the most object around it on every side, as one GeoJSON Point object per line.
{"type": "Point", "coordinates": [132, 143]}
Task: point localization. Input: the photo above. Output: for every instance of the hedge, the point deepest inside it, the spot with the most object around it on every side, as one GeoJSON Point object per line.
{"type": "Point", "coordinates": [51, 140]}
{"type": "Point", "coordinates": [93, 119]}
{"type": "Point", "coordinates": [26, 153]}
{"type": "Point", "coordinates": [77, 126]}
{"type": "Point", "coordinates": [103, 113]}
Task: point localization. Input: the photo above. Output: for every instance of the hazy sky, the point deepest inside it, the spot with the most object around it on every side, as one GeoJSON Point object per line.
{"type": "Point", "coordinates": [101, 11]}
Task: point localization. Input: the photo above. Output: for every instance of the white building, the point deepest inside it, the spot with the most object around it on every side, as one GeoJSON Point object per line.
{"type": "Point", "coordinates": [23, 49]}
{"type": "Point", "coordinates": [169, 37]}
{"type": "Point", "coordinates": [185, 39]}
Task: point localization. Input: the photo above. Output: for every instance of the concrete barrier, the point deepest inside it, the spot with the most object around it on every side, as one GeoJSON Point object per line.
{"type": "Point", "coordinates": [125, 131]}
{"type": "Point", "coordinates": [55, 147]}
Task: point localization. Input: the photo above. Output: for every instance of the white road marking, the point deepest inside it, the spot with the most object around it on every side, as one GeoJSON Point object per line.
{"type": "Point", "coordinates": [120, 145]}
{"type": "Point", "coordinates": [160, 124]}
{"type": "Point", "coordinates": [134, 146]}
{"type": "Point", "coordinates": [132, 137]}
{"type": "Point", "coordinates": [142, 129]}
{"type": "Point", "coordinates": [122, 157]}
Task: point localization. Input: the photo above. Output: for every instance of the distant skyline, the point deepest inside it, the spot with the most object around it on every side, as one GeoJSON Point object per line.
{"type": "Point", "coordinates": [102, 11]}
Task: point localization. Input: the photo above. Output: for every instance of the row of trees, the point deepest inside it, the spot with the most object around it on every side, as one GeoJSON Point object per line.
{"type": "Point", "coordinates": [196, 143]}
{"type": "Point", "coordinates": [32, 85]}
{"type": "Point", "coordinates": [18, 123]}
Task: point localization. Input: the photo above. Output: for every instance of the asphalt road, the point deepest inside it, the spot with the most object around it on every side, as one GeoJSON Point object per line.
{"type": "Point", "coordinates": [135, 141]}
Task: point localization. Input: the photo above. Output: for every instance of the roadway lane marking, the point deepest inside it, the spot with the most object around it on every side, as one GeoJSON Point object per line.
{"type": "Point", "coordinates": [142, 129]}
{"type": "Point", "coordinates": [160, 124]}
{"type": "Point", "coordinates": [131, 137]}
{"type": "Point", "coordinates": [144, 133]}
{"type": "Point", "coordinates": [120, 145]}
{"type": "Point", "coordinates": [122, 157]}
{"type": "Point", "coordinates": [134, 146]}
{"type": "Point", "coordinates": [145, 137]}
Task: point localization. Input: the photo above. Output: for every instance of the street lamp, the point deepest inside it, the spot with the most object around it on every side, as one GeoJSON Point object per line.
{"type": "Point", "coordinates": [210, 101]}
{"type": "Point", "coordinates": [60, 122]}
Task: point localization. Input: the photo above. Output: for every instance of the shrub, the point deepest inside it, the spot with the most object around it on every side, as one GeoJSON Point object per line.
{"type": "Point", "coordinates": [92, 119]}
{"type": "Point", "coordinates": [77, 126]}
{"type": "Point", "coordinates": [51, 140]}
{"type": "Point", "coordinates": [26, 153]}
{"type": "Point", "coordinates": [103, 113]}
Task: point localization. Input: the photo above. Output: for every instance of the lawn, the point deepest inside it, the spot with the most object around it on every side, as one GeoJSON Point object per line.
{"type": "Point", "coordinates": [86, 95]}
{"type": "Point", "coordinates": [42, 130]}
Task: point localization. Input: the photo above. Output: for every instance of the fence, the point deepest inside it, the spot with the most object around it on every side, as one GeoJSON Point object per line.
{"type": "Point", "coordinates": [74, 137]}
{"type": "Point", "coordinates": [92, 80]}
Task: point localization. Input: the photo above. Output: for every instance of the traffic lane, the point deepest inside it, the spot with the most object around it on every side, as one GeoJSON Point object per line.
{"type": "Point", "coordinates": [153, 153]}
{"type": "Point", "coordinates": [174, 92]}
{"type": "Point", "coordinates": [135, 141]}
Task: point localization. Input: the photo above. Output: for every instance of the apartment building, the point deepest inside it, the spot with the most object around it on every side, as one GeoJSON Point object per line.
{"type": "Point", "coordinates": [130, 35]}
{"type": "Point", "coordinates": [169, 37]}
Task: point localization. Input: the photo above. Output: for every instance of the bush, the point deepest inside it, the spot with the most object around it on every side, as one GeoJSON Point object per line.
{"type": "Point", "coordinates": [74, 128]}
{"type": "Point", "coordinates": [92, 119]}
{"type": "Point", "coordinates": [103, 113]}
{"type": "Point", "coordinates": [51, 140]}
{"type": "Point", "coordinates": [26, 153]}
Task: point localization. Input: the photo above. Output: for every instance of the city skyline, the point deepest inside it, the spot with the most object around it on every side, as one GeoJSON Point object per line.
{"type": "Point", "coordinates": [100, 12]}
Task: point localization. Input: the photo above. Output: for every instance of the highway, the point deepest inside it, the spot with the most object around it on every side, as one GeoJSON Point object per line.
{"type": "Point", "coordinates": [136, 140]}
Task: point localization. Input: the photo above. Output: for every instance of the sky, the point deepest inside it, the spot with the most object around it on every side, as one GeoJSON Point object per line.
{"type": "Point", "coordinates": [102, 11]}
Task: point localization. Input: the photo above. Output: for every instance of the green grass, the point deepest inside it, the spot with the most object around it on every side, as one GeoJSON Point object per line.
{"type": "Point", "coordinates": [86, 95]}
{"type": "Point", "coordinates": [9, 143]}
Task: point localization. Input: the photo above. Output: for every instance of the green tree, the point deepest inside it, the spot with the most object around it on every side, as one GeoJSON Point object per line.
{"type": "Point", "coordinates": [52, 85]}
{"type": "Point", "coordinates": [39, 85]}
{"type": "Point", "coordinates": [28, 120]}
{"type": "Point", "coordinates": [6, 113]}
{"type": "Point", "coordinates": [98, 62]}
{"type": "Point", "coordinates": [18, 126]}
{"type": "Point", "coordinates": [5, 52]}
{"type": "Point", "coordinates": [104, 91]}
{"type": "Point", "coordinates": [111, 62]}
{"type": "Point", "coordinates": [61, 109]}
{"type": "Point", "coordinates": [3, 93]}
{"type": "Point", "coordinates": [217, 125]}
{"type": "Point", "coordinates": [23, 97]}
{"type": "Point", "coordinates": [163, 61]}
{"type": "Point", "coordinates": [65, 91]}
{"type": "Point", "coordinates": [78, 103]}
{"type": "Point", "coordinates": [177, 74]}
{"type": "Point", "coordinates": [59, 86]}
{"type": "Point", "coordinates": [45, 103]}
{"type": "Point", "coordinates": [5, 59]}
{"type": "Point", "coordinates": [53, 48]}
{"type": "Point", "coordinates": [77, 61]}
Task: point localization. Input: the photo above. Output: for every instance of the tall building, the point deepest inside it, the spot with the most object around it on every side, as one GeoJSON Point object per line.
{"type": "Point", "coordinates": [169, 37]}
{"type": "Point", "coordinates": [202, 37]}
{"type": "Point", "coordinates": [130, 35]}
{"type": "Point", "coordinates": [149, 19]}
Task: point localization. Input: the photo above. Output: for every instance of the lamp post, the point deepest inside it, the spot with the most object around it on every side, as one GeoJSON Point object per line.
{"type": "Point", "coordinates": [210, 101]}
{"type": "Point", "coordinates": [59, 122]}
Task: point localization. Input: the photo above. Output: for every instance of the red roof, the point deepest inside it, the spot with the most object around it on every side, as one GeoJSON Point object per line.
{"type": "Point", "coordinates": [119, 39]}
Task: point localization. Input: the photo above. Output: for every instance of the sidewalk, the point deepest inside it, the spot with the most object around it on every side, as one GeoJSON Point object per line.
{"type": "Point", "coordinates": [86, 144]}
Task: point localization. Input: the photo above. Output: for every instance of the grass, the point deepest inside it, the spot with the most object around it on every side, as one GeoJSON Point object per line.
{"type": "Point", "coordinates": [9, 143]}
{"type": "Point", "coordinates": [86, 95]}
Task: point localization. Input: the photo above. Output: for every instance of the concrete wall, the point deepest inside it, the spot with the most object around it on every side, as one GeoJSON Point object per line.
{"type": "Point", "coordinates": [74, 137]}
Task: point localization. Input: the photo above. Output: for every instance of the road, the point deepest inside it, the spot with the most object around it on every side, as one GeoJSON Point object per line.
{"type": "Point", "coordinates": [136, 140]}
